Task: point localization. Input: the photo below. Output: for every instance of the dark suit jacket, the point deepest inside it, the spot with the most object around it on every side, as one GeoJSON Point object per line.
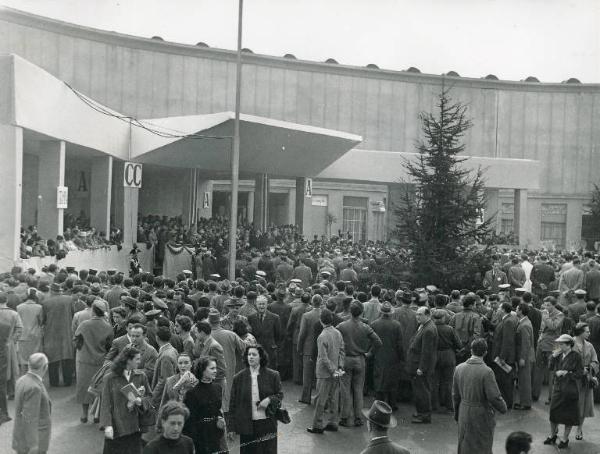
{"type": "Point", "coordinates": [267, 333]}
{"type": "Point", "coordinates": [422, 353]}
{"type": "Point", "coordinates": [384, 446]}
{"type": "Point", "coordinates": [240, 405]}
{"type": "Point", "coordinates": [504, 339]}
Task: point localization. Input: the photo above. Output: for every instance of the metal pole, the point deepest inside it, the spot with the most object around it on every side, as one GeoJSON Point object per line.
{"type": "Point", "coordinates": [235, 152]}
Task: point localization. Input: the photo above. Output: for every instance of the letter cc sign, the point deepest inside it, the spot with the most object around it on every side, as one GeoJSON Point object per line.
{"type": "Point", "coordinates": [132, 175]}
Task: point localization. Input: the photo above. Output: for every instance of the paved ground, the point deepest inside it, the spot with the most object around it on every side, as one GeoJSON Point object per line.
{"type": "Point", "coordinates": [71, 437]}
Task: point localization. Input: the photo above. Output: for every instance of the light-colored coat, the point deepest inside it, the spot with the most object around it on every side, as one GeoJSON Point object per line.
{"type": "Point", "coordinates": [330, 352]}
{"type": "Point", "coordinates": [476, 395]}
{"type": "Point", "coordinates": [32, 415]}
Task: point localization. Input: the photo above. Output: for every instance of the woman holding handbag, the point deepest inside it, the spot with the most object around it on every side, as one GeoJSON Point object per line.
{"type": "Point", "coordinates": [126, 402]}
{"type": "Point", "coordinates": [564, 404]}
{"type": "Point", "coordinates": [589, 380]}
{"type": "Point", "coordinates": [255, 396]}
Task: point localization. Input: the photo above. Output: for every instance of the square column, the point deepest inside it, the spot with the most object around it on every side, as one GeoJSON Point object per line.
{"type": "Point", "coordinates": [11, 175]}
{"type": "Point", "coordinates": [51, 174]}
{"type": "Point", "coordinates": [250, 207]}
{"type": "Point", "coordinates": [261, 201]}
{"type": "Point", "coordinates": [291, 206]}
{"type": "Point", "coordinates": [302, 203]}
{"type": "Point", "coordinates": [100, 194]}
{"type": "Point", "coordinates": [125, 206]}
{"type": "Point", "coordinates": [520, 218]}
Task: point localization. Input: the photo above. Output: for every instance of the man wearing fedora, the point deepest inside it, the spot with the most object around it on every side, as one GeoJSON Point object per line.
{"type": "Point", "coordinates": [379, 420]}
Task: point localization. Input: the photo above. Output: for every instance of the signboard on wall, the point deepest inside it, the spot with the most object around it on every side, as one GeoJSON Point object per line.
{"type": "Point", "coordinates": [62, 197]}
{"type": "Point", "coordinates": [132, 175]}
{"type": "Point", "coordinates": [308, 187]}
{"type": "Point", "coordinates": [206, 200]}
{"type": "Point", "coordinates": [318, 200]}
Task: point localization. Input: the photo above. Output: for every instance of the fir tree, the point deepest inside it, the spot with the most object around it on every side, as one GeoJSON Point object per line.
{"type": "Point", "coordinates": [439, 211]}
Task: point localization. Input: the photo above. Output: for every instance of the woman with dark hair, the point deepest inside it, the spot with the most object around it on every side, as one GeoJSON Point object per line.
{"type": "Point", "coordinates": [206, 424]}
{"type": "Point", "coordinates": [564, 403]}
{"type": "Point", "coordinates": [254, 390]}
{"type": "Point", "coordinates": [122, 410]}
{"type": "Point", "coordinates": [241, 329]}
{"type": "Point", "coordinates": [177, 385]}
{"type": "Point", "coordinates": [590, 370]}
{"type": "Point", "coordinates": [93, 339]}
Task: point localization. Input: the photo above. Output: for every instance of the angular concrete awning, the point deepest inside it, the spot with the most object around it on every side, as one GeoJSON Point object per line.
{"type": "Point", "coordinates": [268, 146]}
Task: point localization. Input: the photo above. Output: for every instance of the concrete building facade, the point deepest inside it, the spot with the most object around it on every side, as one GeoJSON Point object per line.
{"type": "Point", "coordinates": [351, 129]}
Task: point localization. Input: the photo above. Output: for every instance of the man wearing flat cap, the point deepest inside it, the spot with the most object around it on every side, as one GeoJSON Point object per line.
{"type": "Point", "coordinates": [578, 307]}
{"type": "Point", "coordinates": [379, 420]}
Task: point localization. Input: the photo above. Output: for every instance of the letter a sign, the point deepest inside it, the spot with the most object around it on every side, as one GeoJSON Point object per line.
{"type": "Point", "coordinates": [132, 175]}
{"type": "Point", "coordinates": [308, 188]}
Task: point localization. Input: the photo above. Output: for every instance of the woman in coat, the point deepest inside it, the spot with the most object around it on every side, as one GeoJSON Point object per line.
{"type": "Point", "coordinates": [93, 339]}
{"type": "Point", "coordinates": [590, 369]}
{"type": "Point", "coordinates": [206, 424]}
{"type": "Point", "coordinates": [121, 415]}
{"type": "Point", "coordinates": [564, 404]}
{"type": "Point", "coordinates": [32, 319]}
{"type": "Point", "coordinates": [254, 389]}
{"type": "Point", "coordinates": [177, 385]}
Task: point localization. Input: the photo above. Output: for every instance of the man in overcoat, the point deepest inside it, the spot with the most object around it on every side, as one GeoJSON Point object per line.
{"type": "Point", "coordinates": [307, 341]}
{"type": "Point", "coordinates": [504, 349]}
{"type": "Point", "coordinates": [32, 428]}
{"type": "Point", "coordinates": [422, 355]}
{"type": "Point", "coordinates": [408, 321]}
{"type": "Point", "coordinates": [58, 337]}
{"type": "Point", "coordinates": [389, 358]}
{"type": "Point", "coordinates": [476, 398]}
{"type": "Point", "coordinates": [525, 356]}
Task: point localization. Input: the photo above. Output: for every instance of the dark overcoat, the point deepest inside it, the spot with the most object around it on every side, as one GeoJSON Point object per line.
{"type": "Point", "coordinates": [390, 356]}
{"type": "Point", "coordinates": [564, 404]}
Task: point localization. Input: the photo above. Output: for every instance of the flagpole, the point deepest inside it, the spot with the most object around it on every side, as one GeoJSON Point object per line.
{"type": "Point", "coordinates": [235, 152]}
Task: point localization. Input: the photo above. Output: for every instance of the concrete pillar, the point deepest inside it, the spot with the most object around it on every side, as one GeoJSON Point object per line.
{"type": "Point", "coordinates": [130, 215]}
{"type": "Point", "coordinates": [204, 199]}
{"type": "Point", "coordinates": [250, 207]}
{"type": "Point", "coordinates": [302, 203]}
{"type": "Point", "coordinates": [11, 175]}
{"type": "Point", "coordinates": [125, 206]}
{"type": "Point", "coordinates": [261, 201]}
{"type": "Point", "coordinates": [189, 197]}
{"type": "Point", "coordinates": [291, 206]}
{"type": "Point", "coordinates": [51, 175]}
{"type": "Point", "coordinates": [520, 219]}
{"type": "Point", "coordinates": [100, 194]}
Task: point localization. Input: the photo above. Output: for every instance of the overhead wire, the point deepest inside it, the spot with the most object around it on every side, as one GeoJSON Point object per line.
{"type": "Point", "coordinates": [161, 131]}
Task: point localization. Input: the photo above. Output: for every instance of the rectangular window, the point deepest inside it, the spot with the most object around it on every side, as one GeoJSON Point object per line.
{"type": "Point", "coordinates": [507, 226]}
{"type": "Point", "coordinates": [355, 217]}
{"type": "Point", "coordinates": [554, 224]}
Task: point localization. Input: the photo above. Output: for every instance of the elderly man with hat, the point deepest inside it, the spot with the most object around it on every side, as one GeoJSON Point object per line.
{"type": "Point", "coordinates": [233, 306]}
{"type": "Point", "coordinates": [58, 346]}
{"type": "Point", "coordinates": [389, 357]}
{"type": "Point", "coordinates": [379, 420]}
{"type": "Point", "coordinates": [249, 307]}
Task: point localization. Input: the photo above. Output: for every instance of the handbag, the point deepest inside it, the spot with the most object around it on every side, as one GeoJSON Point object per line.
{"type": "Point", "coordinates": [274, 410]}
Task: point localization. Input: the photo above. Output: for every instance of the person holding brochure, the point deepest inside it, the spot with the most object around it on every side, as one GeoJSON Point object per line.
{"type": "Point", "coordinates": [126, 398]}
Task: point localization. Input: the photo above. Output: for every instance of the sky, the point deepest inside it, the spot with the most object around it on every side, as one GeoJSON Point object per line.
{"type": "Point", "coordinates": [513, 39]}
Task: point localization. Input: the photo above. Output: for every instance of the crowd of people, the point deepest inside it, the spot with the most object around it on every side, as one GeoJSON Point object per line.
{"type": "Point", "coordinates": [177, 365]}
{"type": "Point", "coordinates": [72, 239]}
